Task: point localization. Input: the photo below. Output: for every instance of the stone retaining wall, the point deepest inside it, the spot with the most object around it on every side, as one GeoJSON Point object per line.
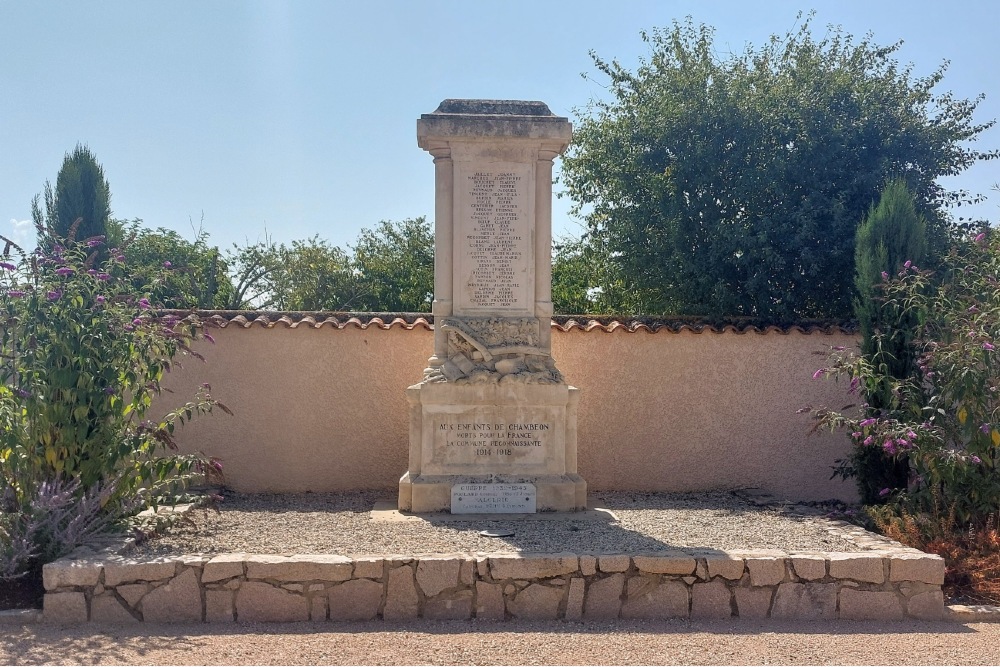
{"type": "Point", "coordinates": [904, 583]}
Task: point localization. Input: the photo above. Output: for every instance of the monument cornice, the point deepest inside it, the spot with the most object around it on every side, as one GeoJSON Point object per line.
{"type": "Point", "coordinates": [522, 122]}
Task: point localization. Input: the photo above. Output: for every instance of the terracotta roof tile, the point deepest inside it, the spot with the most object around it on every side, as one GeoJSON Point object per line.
{"type": "Point", "coordinates": [246, 319]}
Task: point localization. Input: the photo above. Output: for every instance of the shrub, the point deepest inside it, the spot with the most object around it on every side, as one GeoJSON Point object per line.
{"type": "Point", "coordinates": [946, 419]}
{"type": "Point", "coordinates": [81, 359]}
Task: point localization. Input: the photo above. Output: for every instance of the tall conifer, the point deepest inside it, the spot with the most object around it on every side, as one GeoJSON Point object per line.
{"type": "Point", "coordinates": [893, 237]}
{"type": "Point", "coordinates": [81, 192]}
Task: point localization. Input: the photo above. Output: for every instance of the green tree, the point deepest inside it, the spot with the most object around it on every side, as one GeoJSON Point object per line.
{"type": "Point", "coordinates": [195, 275]}
{"type": "Point", "coordinates": [312, 275]}
{"type": "Point", "coordinates": [255, 271]}
{"type": "Point", "coordinates": [891, 240]}
{"type": "Point", "coordinates": [733, 185]}
{"type": "Point", "coordinates": [81, 193]}
{"type": "Point", "coordinates": [394, 265]}
{"type": "Point", "coordinates": [390, 269]}
{"type": "Point", "coordinates": [585, 282]}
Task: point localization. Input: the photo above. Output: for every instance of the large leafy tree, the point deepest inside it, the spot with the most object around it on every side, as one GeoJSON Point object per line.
{"type": "Point", "coordinates": [313, 275]}
{"type": "Point", "coordinates": [195, 275]}
{"type": "Point", "coordinates": [389, 269]}
{"type": "Point", "coordinates": [394, 264]}
{"type": "Point", "coordinates": [81, 193]}
{"type": "Point", "coordinates": [732, 183]}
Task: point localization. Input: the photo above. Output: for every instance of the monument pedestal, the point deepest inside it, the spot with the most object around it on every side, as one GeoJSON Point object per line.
{"type": "Point", "coordinates": [519, 436]}
{"type": "Point", "coordinates": [493, 424]}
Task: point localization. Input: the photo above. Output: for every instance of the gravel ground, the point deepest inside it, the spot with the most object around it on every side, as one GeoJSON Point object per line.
{"type": "Point", "coordinates": [510, 643]}
{"type": "Point", "coordinates": [341, 523]}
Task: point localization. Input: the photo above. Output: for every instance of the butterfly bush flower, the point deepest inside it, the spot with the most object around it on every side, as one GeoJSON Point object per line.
{"type": "Point", "coordinates": [22, 393]}
{"type": "Point", "coordinates": [15, 293]}
{"type": "Point", "coordinates": [100, 299]}
{"type": "Point", "coordinates": [64, 271]}
{"type": "Point", "coordinates": [885, 275]}
{"type": "Point", "coordinates": [818, 374]}
{"type": "Point", "coordinates": [980, 237]}
{"type": "Point", "coordinates": [867, 422]}
{"type": "Point", "coordinates": [869, 440]}
{"type": "Point", "coordinates": [167, 265]}
{"type": "Point", "coordinates": [985, 428]}
{"type": "Point", "coordinates": [907, 264]}
{"type": "Point", "coordinates": [209, 338]}
{"type": "Point", "coordinates": [144, 303]}
{"type": "Point", "coordinates": [988, 346]}
{"type": "Point", "coordinates": [95, 241]}
{"type": "Point", "coordinates": [137, 322]}
{"type": "Point", "coordinates": [53, 295]}
{"type": "Point", "coordinates": [104, 276]}
{"type": "Point", "coordinates": [975, 459]}
{"type": "Point", "coordinates": [885, 492]}
{"type": "Point", "coordinates": [7, 265]}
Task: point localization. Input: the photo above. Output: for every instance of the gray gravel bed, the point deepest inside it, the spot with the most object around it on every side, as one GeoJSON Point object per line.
{"type": "Point", "coordinates": [340, 523]}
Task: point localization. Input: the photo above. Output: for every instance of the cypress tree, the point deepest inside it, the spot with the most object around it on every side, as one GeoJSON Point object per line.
{"type": "Point", "coordinates": [892, 234]}
{"type": "Point", "coordinates": [81, 193]}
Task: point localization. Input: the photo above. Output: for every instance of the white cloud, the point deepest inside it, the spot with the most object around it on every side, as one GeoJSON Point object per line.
{"type": "Point", "coordinates": [21, 233]}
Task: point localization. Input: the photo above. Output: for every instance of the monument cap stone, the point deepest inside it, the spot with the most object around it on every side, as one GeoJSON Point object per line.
{"type": "Point", "coordinates": [513, 119]}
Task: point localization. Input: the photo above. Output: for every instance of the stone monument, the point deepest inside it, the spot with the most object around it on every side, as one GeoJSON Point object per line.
{"type": "Point", "coordinates": [493, 423]}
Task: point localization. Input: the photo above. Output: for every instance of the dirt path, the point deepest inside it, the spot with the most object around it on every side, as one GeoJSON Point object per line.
{"type": "Point", "coordinates": [484, 643]}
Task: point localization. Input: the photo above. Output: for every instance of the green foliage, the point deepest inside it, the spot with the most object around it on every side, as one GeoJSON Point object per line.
{"type": "Point", "coordinates": [946, 419]}
{"type": "Point", "coordinates": [394, 265]}
{"type": "Point", "coordinates": [585, 282]}
{"type": "Point", "coordinates": [892, 235]}
{"type": "Point", "coordinates": [313, 275]}
{"type": "Point", "coordinates": [733, 185]}
{"type": "Point", "coordinates": [391, 269]}
{"type": "Point", "coordinates": [81, 193]}
{"type": "Point", "coordinates": [197, 274]}
{"type": "Point", "coordinates": [81, 359]}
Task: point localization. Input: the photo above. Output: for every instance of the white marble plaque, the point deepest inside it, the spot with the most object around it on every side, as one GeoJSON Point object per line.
{"type": "Point", "coordinates": [493, 499]}
{"type": "Point", "coordinates": [484, 440]}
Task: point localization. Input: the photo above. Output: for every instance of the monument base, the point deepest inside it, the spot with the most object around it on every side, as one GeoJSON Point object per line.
{"type": "Point", "coordinates": [492, 448]}
{"type": "Point", "coordinates": [434, 493]}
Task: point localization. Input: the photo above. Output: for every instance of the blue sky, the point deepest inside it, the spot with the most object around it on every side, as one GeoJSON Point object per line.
{"type": "Point", "coordinates": [299, 117]}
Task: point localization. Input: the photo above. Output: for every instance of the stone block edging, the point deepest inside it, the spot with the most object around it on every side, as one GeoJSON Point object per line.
{"type": "Point", "coordinates": [876, 585]}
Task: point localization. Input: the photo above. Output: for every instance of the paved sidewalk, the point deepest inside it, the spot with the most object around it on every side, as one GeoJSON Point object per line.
{"type": "Point", "coordinates": [480, 642]}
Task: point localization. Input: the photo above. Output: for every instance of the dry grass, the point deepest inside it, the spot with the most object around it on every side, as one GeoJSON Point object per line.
{"type": "Point", "coordinates": [972, 554]}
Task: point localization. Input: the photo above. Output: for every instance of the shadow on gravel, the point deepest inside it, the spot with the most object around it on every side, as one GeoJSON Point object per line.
{"type": "Point", "coordinates": [93, 644]}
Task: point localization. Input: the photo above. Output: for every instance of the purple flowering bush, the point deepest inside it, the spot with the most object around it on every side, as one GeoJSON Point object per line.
{"type": "Point", "coordinates": [946, 418]}
{"type": "Point", "coordinates": [81, 360]}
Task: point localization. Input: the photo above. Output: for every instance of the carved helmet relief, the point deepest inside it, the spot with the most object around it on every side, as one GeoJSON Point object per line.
{"type": "Point", "coordinates": [487, 350]}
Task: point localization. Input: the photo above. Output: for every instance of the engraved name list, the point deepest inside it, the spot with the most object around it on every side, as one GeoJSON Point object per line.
{"type": "Point", "coordinates": [496, 241]}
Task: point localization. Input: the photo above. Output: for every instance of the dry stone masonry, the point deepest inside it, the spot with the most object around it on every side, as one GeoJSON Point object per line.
{"type": "Point", "coordinates": [884, 585]}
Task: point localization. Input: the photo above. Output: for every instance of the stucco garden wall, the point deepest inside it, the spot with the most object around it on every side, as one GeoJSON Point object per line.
{"type": "Point", "coordinates": [321, 406]}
